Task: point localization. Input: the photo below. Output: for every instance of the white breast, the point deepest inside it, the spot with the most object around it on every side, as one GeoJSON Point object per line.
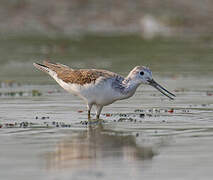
{"type": "Point", "coordinates": [100, 92]}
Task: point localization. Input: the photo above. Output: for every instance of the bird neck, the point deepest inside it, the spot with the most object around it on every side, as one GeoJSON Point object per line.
{"type": "Point", "coordinates": [131, 85]}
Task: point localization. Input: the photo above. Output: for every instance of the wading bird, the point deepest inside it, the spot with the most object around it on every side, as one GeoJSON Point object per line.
{"type": "Point", "coordinates": [100, 87]}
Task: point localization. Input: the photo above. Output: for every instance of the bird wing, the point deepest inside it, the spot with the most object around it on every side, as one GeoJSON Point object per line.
{"type": "Point", "coordinates": [80, 76]}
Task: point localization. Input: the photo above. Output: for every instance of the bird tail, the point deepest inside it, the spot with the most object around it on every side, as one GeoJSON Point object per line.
{"type": "Point", "coordinates": [48, 66]}
{"type": "Point", "coordinates": [42, 67]}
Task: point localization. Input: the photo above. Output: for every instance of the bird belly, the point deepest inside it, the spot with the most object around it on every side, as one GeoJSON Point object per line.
{"type": "Point", "coordinates": [100, 93]}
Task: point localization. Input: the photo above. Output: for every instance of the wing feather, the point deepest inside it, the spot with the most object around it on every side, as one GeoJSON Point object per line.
{"type": "Point", "coordinates": [80, 76]}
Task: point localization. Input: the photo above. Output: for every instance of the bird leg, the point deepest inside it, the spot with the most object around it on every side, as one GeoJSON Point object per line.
{"type": "Point", "coordinates": [89, 107]}
{"type": "Point", "coordinates": [98, 112]}
{"type": "Point", "coordinates": [89, 114]}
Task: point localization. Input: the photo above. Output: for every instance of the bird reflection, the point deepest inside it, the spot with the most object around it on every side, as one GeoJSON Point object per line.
{"type": "Point", "coordinates": [96, 143]}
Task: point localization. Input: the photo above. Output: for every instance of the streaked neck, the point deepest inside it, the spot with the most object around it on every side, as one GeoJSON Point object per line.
{"type": "Point", "coordinates": [130, 85]}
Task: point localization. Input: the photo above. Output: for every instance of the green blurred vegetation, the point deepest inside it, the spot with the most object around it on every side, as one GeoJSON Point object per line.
{"type": "Point", "coordinates": [166, 56]}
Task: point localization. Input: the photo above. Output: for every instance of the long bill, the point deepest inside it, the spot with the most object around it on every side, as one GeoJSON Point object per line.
{"type": "Point", "coordinates": [161, 89]}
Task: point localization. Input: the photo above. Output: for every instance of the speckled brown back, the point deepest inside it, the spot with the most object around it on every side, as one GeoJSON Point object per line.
{"type": "Point", "coordinates": [81, 76]}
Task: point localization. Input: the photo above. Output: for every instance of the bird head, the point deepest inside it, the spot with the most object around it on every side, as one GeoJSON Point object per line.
{"type": "Point", "coordinates": [143, 75]}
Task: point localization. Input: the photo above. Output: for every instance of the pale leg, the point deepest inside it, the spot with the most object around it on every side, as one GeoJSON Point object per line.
{"type": "Point", "coordinates": [99, 108]}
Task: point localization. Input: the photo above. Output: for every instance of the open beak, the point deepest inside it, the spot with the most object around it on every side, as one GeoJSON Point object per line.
{"type": "Point", "coordinates": [161, 89]}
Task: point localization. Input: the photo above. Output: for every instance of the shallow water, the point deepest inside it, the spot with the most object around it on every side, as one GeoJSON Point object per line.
{"type": "Point", "coordinates": [137, 138]}
{"type": "Point", "coordinates": [45, 134]}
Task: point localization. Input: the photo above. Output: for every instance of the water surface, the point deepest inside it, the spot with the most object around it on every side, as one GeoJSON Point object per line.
{"type": "Point", "coordinates": [44, 130]}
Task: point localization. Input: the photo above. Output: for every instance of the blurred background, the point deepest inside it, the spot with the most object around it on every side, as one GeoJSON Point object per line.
{"type": "Point", "coordinates": [171, 37]}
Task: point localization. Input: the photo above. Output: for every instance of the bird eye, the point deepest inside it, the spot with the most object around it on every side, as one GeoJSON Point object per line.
{"type": "Point", "coordinates": [141, 73]}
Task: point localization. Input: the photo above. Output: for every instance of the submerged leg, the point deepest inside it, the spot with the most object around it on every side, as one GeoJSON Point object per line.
{"type": "Point", "coordinates": [89, 107]}
{"type": "Point", "coordinates": [98, 112]}
{"type": "Point", "coordinates": [89, 114]}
